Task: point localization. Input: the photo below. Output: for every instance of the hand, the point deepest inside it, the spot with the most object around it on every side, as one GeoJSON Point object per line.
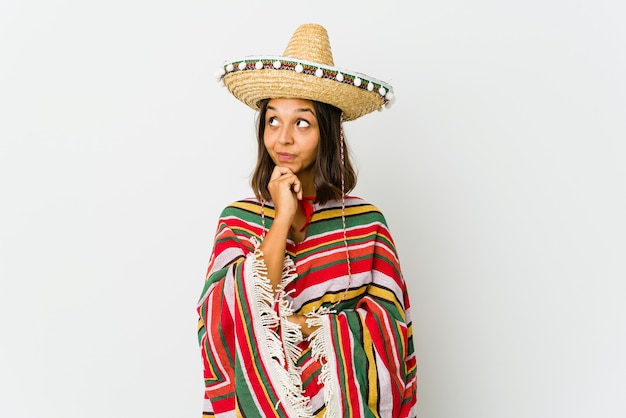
{"type": "Point", "coordinates": [285, 189]}
{"type": "Point", "coordinates": [304, 327]}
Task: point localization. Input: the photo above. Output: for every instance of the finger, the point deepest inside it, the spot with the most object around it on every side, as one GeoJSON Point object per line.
{"type": "Point", "coordinates": [297, 189]}
{"type": "Point", "coordinates": [283, 170]}
{"type": "Point", "coordinates": [278, 172]}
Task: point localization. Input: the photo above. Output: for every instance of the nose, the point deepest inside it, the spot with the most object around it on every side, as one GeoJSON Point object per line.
{"type": "Point", "coordinates": [285, 136]}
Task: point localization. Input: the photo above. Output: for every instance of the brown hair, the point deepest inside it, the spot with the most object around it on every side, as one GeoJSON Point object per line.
{"type": "Point", "coordinates": [328, 165]}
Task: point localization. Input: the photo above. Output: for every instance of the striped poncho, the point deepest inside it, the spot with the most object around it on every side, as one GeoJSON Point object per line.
{"type": "Point", "coordinates": [360, 360]}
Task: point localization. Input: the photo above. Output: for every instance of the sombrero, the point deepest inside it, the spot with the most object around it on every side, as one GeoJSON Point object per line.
{"type": "Point", "coordinates": [305, 71]}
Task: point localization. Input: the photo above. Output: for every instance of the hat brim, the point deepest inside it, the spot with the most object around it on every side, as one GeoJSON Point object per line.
{"type": "Point", "coordinates": [251, 85]}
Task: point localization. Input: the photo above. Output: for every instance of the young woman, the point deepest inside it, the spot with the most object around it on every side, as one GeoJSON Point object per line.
{"type": "Point", "coordinates": [305, 312]}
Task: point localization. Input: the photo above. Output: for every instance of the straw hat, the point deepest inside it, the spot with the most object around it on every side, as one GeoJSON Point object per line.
{"type": "Point", "coordinates": [305, 71]}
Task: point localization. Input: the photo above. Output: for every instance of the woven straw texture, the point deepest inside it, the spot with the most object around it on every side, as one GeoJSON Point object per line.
{"type": "Point", "coordinates": [310, 42]}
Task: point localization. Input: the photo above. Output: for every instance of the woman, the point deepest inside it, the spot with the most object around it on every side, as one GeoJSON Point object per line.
{"type": "Point", "coordinates": [305, 312]}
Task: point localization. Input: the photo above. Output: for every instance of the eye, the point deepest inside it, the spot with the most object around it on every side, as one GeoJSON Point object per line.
{"type": "Point", "coordinates": [301, 123]}
{"type": "Point", "coordinates": [272, 121]}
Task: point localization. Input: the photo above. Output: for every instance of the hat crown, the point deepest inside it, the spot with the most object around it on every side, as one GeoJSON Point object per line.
{"type": "Point", "coordinates": [306, 70]}
{"type": "Point", "coordinates": [310, 43]}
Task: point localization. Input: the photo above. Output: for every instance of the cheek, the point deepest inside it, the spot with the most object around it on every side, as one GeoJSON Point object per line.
{"type": "Point", "coordinates": [311, 155]}
{"type": "Point", "coordinates": [313, 147]}
{"type": "Point", "coordinates": [267, 142]}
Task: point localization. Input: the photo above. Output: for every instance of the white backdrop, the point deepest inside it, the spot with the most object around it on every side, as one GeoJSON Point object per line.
{"type": "Point", "coordinates": [500, 170]}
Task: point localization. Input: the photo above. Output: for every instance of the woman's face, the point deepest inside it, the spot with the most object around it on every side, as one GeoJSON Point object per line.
{"type": "Point", "coordinates": [292, 135]}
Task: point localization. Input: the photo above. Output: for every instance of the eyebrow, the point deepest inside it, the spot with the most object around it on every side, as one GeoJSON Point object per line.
{"type": "Point", "coordinates": [300, 110]}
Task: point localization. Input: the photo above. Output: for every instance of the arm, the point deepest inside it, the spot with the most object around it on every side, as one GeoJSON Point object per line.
{"type": "Point", "coordinates": [285, 189]}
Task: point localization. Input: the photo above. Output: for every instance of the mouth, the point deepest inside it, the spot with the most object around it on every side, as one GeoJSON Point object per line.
{"type": "Point", "coordinates": [284, 157]}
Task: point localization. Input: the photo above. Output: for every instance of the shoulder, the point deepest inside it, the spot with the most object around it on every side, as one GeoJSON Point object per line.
{"type": "Point", "coordinates": [248, 205]}
{"type": "Point", "coordinates": [242, 218]}
{"type": "Point", "coordinates": [355, 208]}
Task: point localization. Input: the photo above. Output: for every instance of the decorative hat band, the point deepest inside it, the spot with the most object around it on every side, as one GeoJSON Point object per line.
{"type": "Point", "coordinates": [306, 70]}
{"type": "Point", "coordinates": [311, 68]}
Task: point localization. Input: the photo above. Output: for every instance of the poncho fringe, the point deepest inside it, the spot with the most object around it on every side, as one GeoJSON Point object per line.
{"type": "Point", "coordinates": [282, 344]}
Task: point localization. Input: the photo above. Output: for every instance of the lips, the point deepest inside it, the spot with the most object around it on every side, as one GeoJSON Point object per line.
{"type": "Point", "coordinates": [284, 157]}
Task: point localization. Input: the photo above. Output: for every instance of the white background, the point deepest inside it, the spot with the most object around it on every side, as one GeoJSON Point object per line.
{"type": "Point", "coordinates": [500, 170]}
